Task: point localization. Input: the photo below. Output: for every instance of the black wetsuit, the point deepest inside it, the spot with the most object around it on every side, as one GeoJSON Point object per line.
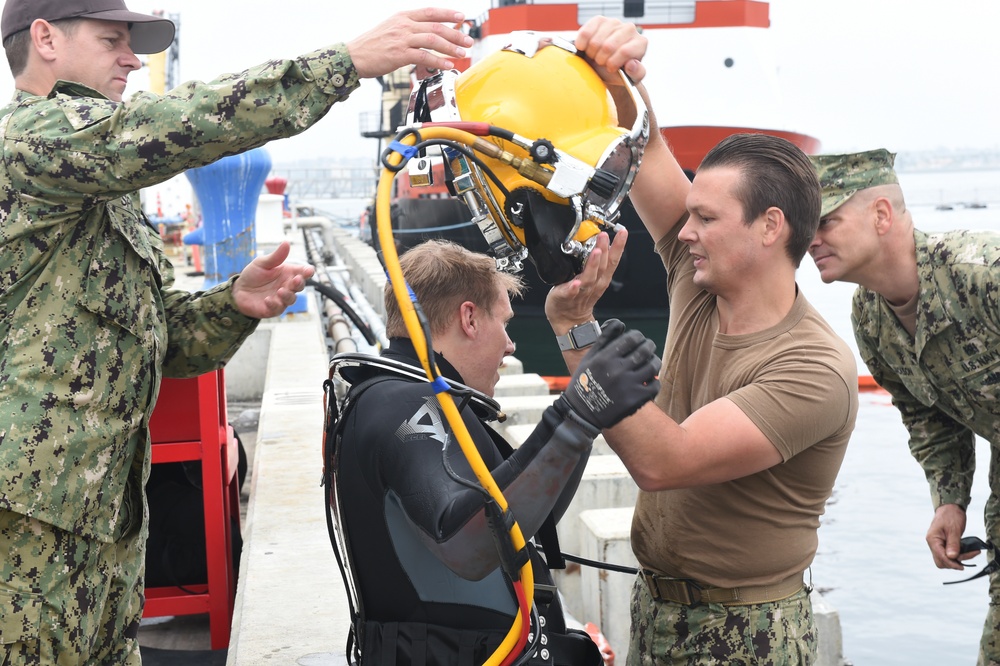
{"type": "Point", "coordinates": [425, 561]}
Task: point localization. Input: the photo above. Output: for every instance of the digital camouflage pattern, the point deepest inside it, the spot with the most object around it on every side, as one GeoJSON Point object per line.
{"type": "Point", "coordinates": [989, 645]}
{"type": "Point", "coordinates": [89, 318]}
{"type": "Point", "coordinates": [945, 380]}
{"type": "Point", "coordinates": [779, 633]}
{"type": "Point", "coordinates": [66, 600]}
{"type": "Point", "coordinates": [87, 311]}
{"type": "Point", "coordinates": [841, 176]}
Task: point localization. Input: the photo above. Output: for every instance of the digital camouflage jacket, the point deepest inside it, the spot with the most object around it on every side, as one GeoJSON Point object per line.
{"type": "Point", "coordinates": [89, 318]}
{"type": "Point", "coordinates": [946, 379]}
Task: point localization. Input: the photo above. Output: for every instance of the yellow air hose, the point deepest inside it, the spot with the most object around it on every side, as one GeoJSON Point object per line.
{"type": "Point", "coordinates": [416, 333]}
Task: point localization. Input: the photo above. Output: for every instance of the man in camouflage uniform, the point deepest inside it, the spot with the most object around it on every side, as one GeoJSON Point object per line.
{"type": "Point", "coordinates": [89, 320]}
{"type": "Point", "coordinates": [927, 320]}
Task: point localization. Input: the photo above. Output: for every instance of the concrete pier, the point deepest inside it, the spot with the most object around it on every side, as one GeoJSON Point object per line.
{"type": "Point", "coordinates": [290, 601]}
{"type": "Point", "coordinates": [291, 607]}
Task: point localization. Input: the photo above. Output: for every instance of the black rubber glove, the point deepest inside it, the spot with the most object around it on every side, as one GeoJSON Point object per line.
{"type": "Point", "coordinates": [615, 378]}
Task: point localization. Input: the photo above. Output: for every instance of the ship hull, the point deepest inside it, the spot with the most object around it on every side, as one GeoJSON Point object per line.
{"type": "Point", "coordinates": [690, 143]}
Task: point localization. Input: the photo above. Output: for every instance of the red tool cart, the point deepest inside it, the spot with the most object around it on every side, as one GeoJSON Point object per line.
{"type": "Point", "coordinates": [189, 423]}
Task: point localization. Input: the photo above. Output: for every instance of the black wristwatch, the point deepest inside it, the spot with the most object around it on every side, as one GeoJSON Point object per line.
{"type": "Point", "coordinates": [580, 336]}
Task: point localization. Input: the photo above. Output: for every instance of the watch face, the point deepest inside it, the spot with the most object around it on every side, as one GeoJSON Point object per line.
{"type": "Point", "coordinates": [585, 334]}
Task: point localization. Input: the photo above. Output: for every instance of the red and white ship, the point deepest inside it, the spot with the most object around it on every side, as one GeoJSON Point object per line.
{"type": "Point", "coordinates": [711, 69]}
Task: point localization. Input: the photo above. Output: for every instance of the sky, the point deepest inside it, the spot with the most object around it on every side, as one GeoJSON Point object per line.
{"type": "Point", "coordinates": [908, 75]}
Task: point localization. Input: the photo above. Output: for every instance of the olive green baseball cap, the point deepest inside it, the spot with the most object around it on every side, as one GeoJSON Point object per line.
{"type": "Point", "coordinates": [842, 176]}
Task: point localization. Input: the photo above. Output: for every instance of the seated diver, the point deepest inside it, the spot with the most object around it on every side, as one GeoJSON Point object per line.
{"type": "Point", "coordinates": [426, 569]}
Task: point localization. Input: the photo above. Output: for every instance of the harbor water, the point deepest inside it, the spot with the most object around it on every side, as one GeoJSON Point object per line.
{"type": "Point", "coordinates": [873, 564]}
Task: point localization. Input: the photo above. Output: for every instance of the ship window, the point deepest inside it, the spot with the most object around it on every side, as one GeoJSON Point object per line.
{"type": "Point", "coordinates": [635, 8]}
{"type": "Point", "coordinates": [659, 12]}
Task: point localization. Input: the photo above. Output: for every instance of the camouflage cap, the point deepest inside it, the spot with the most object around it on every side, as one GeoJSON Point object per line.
{"type": "Point", "coordinates": [841, 176]}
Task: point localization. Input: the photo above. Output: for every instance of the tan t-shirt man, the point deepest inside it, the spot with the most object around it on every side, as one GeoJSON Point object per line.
{"type": "Point", "coordinates": [797, 381]}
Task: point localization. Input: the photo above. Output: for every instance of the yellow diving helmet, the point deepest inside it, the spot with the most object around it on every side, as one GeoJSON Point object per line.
{"type": "Point", "coordinates": [562, 168]}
